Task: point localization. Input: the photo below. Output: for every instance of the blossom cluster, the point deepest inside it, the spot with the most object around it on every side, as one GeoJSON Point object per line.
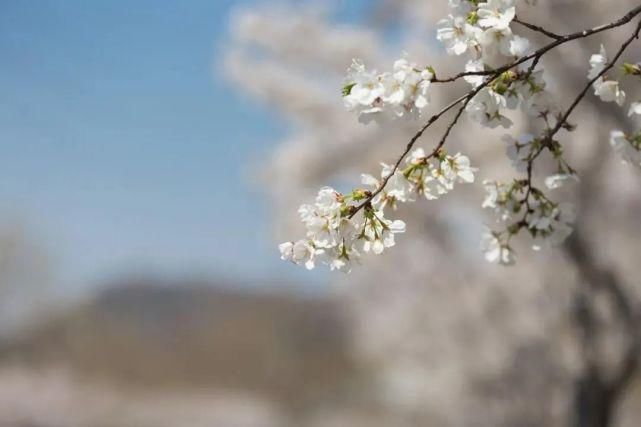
{"type": "Point", "coordinates": [608, 90]}
{"type": "Point", "coordinates": [504, 76]}
{"type": "Point", "coordinates": [336, 239]}
{"type": "Point", "coordinates": [381, 97]}
{"type": "Point", "coordinates": [627, 146]}
{"type": "Point", "coordinates": [343, 227]}
{"type": "Point", "coordinates": [483, 31]}
{"type": "Point", "coordinates": [523, 207]}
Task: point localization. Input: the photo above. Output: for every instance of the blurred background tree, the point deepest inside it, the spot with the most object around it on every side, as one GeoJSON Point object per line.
{"type": "Point", "coordinates": [553, 341]}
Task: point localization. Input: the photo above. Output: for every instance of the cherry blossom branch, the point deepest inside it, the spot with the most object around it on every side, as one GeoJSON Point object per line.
{"type": "Point", "coordinates": [628, 17]}
{"type": "Point", "coordinates": [467, 98]}
{"type": "Point", "coordinates": [563, 122]}
{"type": "Point", "coordinates": [608, 67]}
{"type": "Point", "coordinates": [408, 148]}
{"type": "Point", "coordinates": [337, 237]}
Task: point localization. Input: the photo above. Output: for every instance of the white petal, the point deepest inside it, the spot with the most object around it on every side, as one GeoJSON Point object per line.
{"type": "Point", "coordinates": [635, 108]}
{"type": "Point", "coordinates": [397, 226]}
{"type": "Point", "coordinates": [378, 247]}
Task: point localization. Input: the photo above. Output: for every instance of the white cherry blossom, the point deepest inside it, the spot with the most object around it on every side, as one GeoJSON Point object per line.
{"type": "Point", "coordinates": [519, 150]}
{"type": "Point", "coordinates": [379, 232]}
{"type": "Point", "coordinates": [496, 251]}
{"type": "Point", "coordinates": [300, 252]}
{"type": "Point", "coordinates": [598, 62]}
{"type": "Point", "coordinates": [457, 168]}
{"type": "Point", "coordinates": [475, 66]}
{"type": "Point", "coordinates": [519, 46]}
{"type": "Point", "coordinates": [496, 13]}
{"type": "Point", "coordinates": [457, 35]}
{"type": "Point", "coordinates": [609, 91]}
{"type": "Point", "coordinates": [553, 224]}
{"type": "Point", "coordinates": [558, 180]}
{"type": "Point", "coordinates": [635, 108]}
{"type": "Point", "coordinates": [496, 41]}
{"type": "Point", "coordinates": [628, 148]}
{"type": "Point", "coordinates": [382, 97]}
{"type": "Point", "coordinates": [366, 89]}
{"type": "Point", "coordinates": [501, 198]}
{"type": "Point", "coordinates": [343, 229]}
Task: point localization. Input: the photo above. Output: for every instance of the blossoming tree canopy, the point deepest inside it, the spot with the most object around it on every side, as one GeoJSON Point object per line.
{"type": "Point", "coordinates": [504, 73]}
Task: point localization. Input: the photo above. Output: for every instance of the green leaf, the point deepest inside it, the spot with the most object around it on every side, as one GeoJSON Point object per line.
{"type": "Point", "coordinates": [347, 89]}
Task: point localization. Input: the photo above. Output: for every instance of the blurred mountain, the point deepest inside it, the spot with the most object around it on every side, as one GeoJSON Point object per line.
{"type": "Point", "coordinates": [292, 348]}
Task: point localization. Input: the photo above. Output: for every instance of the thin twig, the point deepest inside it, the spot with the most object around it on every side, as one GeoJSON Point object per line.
{"type": "Point", "coordinates": [465, 100]}
{"type": "Point", "coordinates": [540, 52]}
{"type": "Point", "coordinates": [493, 75]}
{"type": "Point", "coordinates": [538, 29]}
{"type": "Point", "coordinates": [587, 87]}
{"type": "Point", "coordinates": [408, 148]}
{"type": "Point", "coordinates": [563, 120]}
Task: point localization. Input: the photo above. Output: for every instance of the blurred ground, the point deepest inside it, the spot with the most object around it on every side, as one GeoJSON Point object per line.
{"type": "Point", "coordinates": [191, 355]}
{"type": "Point", "coordinates": [177, 355]}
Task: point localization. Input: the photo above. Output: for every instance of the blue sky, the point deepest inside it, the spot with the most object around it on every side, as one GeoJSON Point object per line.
{"type": "Point", "coordinates": [121, 148]}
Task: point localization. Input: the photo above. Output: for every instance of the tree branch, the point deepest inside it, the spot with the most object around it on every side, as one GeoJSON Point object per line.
{"type": "Point", "coordinates": [604, 279]}
{"type": "Point", "coordinates": [563, 120]}
{"type": "Point", "coordinates": [538, 29]}
{"type": "Point", "coordinates": [628, 17]}
{"type": "Point", "coordinates": [536, 56]}
{"type": "Point", "coordinates": [466, 99]}
{"type": "Point", "coordinates": [585, 90]}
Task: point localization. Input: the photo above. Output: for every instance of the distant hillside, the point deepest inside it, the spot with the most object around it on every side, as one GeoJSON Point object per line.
{"type": "Point", "coordinates": [184, 335]}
